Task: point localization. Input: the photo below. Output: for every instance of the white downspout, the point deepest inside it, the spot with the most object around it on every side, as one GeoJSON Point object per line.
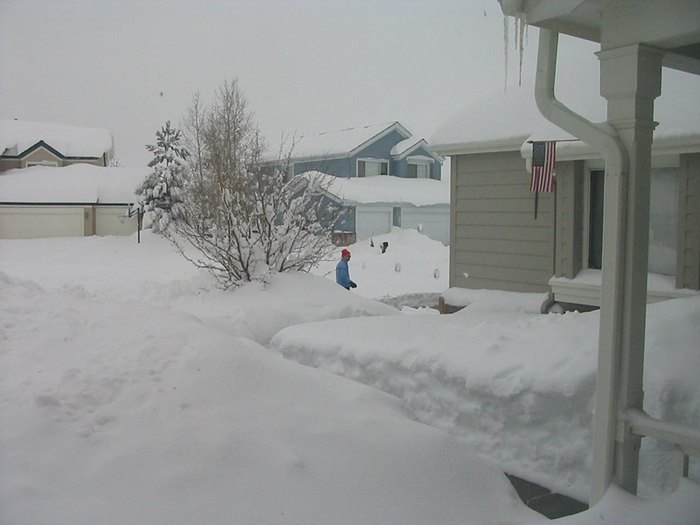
{"type": "Point", "coordinates": [600, 136]}
{"type": "Point", "coordinates": [604, 139]}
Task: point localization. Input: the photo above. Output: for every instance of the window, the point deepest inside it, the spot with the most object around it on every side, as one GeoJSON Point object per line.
{"type": "Point", "coordinates": [418, 171]}
{"type": "Point", "coordinates": [595, 223]}
{"type": "Point", "coordinates": [51, 163]}
{"type": "Point", "coordinates": [396, 216]}
{"type": "Point", "coordinates": [372, 168]}
{"type": "Point", "coordinates": [663, 221]}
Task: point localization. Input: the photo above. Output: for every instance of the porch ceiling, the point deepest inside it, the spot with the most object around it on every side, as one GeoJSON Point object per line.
{"type": "Point", "coordinates": [672, 26]}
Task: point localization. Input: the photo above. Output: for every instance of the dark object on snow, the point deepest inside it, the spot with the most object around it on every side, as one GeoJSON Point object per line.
{"type": "Point", "coordinates": [385, 245]}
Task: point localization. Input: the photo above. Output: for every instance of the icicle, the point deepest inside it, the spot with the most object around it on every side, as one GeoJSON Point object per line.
{"type": "Point", "coordinates": [522, 34]}
{"type": "Point", "coordinates": [519, 41]}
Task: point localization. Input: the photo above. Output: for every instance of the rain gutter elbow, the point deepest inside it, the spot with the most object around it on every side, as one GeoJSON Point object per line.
{"type": "Point", "coordinates": [599, 136]}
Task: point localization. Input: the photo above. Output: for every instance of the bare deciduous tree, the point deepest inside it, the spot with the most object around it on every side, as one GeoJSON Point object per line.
{"type": "Point", "coordinates": [244, 219]}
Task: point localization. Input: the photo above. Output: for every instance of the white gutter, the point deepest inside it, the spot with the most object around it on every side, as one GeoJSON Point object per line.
{"type": "Point", "coordinates": [605, 139]}
{"type": "Point", "coordinates": [600, 136]}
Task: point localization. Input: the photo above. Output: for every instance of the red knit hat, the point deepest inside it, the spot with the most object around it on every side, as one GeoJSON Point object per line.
{"type": "Point", "coordinates": [345, 252]}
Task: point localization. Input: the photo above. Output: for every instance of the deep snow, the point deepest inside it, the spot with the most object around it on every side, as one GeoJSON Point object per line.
{"type": "Point", "coordinates": [132, 391]}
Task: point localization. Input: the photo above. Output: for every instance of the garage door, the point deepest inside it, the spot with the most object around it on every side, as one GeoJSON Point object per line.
{"type": "Point", "coordinates": [433, 222]}
{"type": "Point", "coordinates": [31, 222]}
{"type": "Point", "coordinates": [372, 221]}
{"type": "Point", "coordinates": [115, 221]}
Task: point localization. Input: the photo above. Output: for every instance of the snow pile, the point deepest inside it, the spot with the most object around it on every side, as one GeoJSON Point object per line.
{"type": "Point", "coordinates": [517, 385]}
{"type": "Point", "coordinates": [119, 268]}
{"type": "Point", "coordinates": [71, 141]}
{"type": "Point", "coordinates": [413, 263]}
{"type": "Point", "coordinates": [121, 412]}
{"type": "Point", "coordinates": [83, 183]}
{"type": "Point", "coordinates": [621, 508]}
{"type": "Point", "coordinates": [133, 391]}
{"type": "Point", "coordinates": [384, 189]}
{"type": "Point", "coordinates": [494, 300]}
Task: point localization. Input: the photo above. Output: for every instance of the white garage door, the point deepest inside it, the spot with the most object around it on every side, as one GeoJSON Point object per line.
{"type": "Point", "coordinates": [32, 222]}
{"type": "Point", "coordinates": [371, 221]}
{"type": "Point", "coordinates": [433, 222]}
{"type": "Point", "coordinates": [115, 221]}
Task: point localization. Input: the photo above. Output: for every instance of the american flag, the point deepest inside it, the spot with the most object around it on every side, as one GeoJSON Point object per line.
{"type": "Point", "coordinates": [543, 159]}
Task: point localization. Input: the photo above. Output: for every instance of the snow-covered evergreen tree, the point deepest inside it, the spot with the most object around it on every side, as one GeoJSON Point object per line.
{"type": "Point", "coordinates": [160, 190]}
{"type": "Point", "coordinates": [245, 220]}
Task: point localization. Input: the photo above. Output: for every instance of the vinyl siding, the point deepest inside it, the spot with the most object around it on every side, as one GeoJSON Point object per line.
{"type": "Point", "coordinates": [399, 168]}
{"type": "Point", "coordinates": [496, 239]}
{"type": "Point", "coordinates": [344, 166]}
{"type": "Point", "coordinates": [688, 264]}
{"type": "Point", "coordinates": [569, 224]}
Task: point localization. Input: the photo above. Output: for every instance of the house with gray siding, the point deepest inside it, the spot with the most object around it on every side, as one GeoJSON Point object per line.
{"type": "Point", "coordinates": [366, 151]}
{"type": "Point", "coordinates": [373, 206]}
{"type": "Point", "coordinates": [383, 167]}
{"type": "Point", "coordinates": [504, 237]}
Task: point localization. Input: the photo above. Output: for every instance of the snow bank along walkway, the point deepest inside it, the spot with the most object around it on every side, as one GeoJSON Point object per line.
{"type": "Point", "coordinates": [515, 384]}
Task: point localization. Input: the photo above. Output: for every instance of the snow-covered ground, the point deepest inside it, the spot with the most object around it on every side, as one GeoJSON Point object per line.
{"type": "Point", "coordinates": [133, 391]}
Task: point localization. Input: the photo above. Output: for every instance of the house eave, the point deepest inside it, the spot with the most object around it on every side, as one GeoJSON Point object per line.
{"type": "Point", "coordinates": [484, 146]}
{"type": "Point", "coordinates": [662, 146]}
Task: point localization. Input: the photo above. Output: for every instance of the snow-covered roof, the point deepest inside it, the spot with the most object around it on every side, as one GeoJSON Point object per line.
{"type": "Point", "coordinates": [504, 121]}
{"type": "Point", "coordinates": [78, 183]}
{"type": "Point", "coordinates": [385, 189]}
{"type": "Point", "coordinates": [16, 136]}
{"type": "Point", "coordinates": [406, 145]}
{"type": "Point", "coordinates": [343, 141]}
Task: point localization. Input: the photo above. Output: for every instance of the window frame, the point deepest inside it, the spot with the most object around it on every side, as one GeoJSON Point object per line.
{"type": "Point", "coordinates": [663, 162]}
{"type": "Point", "coordinates": [50, 163]}
{"type": "Point", "coordinates": [372, 160]}
{"type": "Point", "coordinates": [419, 165]}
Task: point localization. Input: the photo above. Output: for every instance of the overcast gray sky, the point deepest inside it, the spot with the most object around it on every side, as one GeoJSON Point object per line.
{"type": "Point", "coordinates": [304, 65]}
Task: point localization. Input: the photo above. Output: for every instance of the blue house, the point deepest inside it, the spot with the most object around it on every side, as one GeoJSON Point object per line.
{"type": "Point", "coordinates": [384, 177]}
{"type": "Point", "coordinates": [366, 151]}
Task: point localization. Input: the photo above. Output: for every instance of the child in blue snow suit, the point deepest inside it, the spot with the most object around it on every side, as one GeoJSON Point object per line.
{"type": "Point", "coordinates": [342, 273]}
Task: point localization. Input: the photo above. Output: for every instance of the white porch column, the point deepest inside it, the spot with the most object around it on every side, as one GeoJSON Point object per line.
{"type": "Point", "coordinates": [630, 80]}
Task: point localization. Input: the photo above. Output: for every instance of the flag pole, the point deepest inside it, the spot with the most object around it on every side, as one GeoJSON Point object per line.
{"type": "Point", "coordinates": [554, 232]}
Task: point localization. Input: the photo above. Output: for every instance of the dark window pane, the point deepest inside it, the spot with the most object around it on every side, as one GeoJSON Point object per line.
{"type": "Point", "coordinates": [595, 232]}
{"type": "Point", "coordinates": [397, 216]}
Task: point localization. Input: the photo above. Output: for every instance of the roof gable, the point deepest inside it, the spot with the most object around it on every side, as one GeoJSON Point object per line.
{"type": "Point", "coordinates": [18, 137]}
{"type": "Point", "coordinates": [344, 142]}
{"type": "Point", "coordinates": [410, 146]}
{"type": "Point", "coordinates": [39, 145]}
